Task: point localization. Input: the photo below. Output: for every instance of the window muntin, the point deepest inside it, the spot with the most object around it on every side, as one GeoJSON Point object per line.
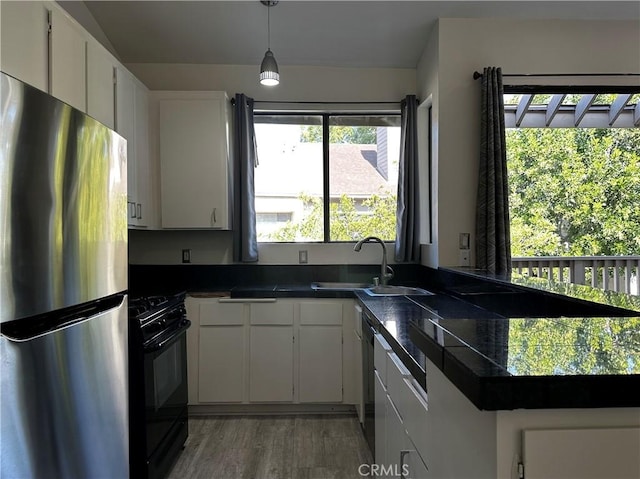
{"type": "Point", "coordinates": [356, 171]}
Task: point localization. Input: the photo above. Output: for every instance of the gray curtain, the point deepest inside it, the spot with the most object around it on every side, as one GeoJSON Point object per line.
{"type": "Point", "coordinates": [245, 243]}
{"type": "Point", "coordinates": [493, 237]}
{"type": "Point", "coordinates": [407, 248]}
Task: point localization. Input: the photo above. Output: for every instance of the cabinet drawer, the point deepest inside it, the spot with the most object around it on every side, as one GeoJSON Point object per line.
{"type": "Point", "coordinates": [221, 314]}
{"type": "Point", "coordinates": [380, 350]}
{"type": "Point", "coordinates": [413, 407]}
{"type": "Point", "coordinates": [272, 313]}
{"type": "Point", "coordinates": [396, 373]}
{"type": "Point", "coordinates": [321, 314]}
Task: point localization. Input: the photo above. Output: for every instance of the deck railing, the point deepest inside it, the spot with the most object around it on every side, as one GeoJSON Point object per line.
{"type": "Point", "coordinates": [610, 273]}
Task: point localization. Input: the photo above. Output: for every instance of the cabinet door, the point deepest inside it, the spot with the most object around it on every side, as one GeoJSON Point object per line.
{"type": "Point", "coordinates": [414, 467]}
{"type": "Point", "coordinates": [221, 364]}
{"type": "Point", "coordinates": [100, 84]}
{"type": "Point", "coordinates": [320, 364]}
{"type": "Point", "coordinates": [125, 125]}
{"type": "Point", "coordinates": [144, 203]}
{"type": "Point", "coordinates": [24, 42]}
{"type": "Point", "coordinates": [586, 453]}
{"type": "Point", "coordinates": [320, 351]}
{"type": "Point", "coordinates": [397, 444]}
{"type": "Point", "coordinates": [271, 363]}
{"type": "Point", "coordinates": [194, 169]}
{"type": "Point", "coordinates": [68, 61]}
{"type": "Point", "coordinates": [380, 421]}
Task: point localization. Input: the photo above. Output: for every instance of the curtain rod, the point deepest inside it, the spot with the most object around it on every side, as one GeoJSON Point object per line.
{"type": "Point", "coordinates": [477, 75]}
{"type": "Point", "coordinates": [233, 101]}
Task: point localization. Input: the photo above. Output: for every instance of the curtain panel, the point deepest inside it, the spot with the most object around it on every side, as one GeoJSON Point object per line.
{"type": "Point", "coordinates": [493, 236]}
{"type": "Point", "coordinates": [245, 159]}
{"type": "Point", "coordinates": [407, 247]}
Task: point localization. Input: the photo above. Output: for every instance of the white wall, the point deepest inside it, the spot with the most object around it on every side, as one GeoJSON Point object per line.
{"type": "Point", "coordinates": [533, 46]}
{"type": "Point", "coordinates": [427, 71]}
{"type": "Point", "coordinates": [297, 84]}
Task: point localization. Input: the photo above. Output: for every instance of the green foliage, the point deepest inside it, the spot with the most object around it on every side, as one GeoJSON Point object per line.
{"type": "Point", "coordinates": [346, 223]}
{"type": "Point", "coordinates": [574, 191]}
{"type": "Point", "coordinates": [361, 135]}
{"type": "Point", "coordinates": [586, 346]}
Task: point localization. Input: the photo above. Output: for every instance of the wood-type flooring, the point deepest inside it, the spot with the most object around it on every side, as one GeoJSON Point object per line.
{"type": "Point", "coordinates": [273, 447]}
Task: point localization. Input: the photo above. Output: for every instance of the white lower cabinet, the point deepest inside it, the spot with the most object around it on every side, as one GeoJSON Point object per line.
{"type": "Point", "coordinates": [221, 347]}
{"type": "Point", "coordinates": [380, 414]}
{"type": "Point", "coordinates": [320, 357]}
{"type": "Point", "coordinates": [587, 453]}
{"type": "Point", "coordinates": [401, 417]}
{"type": "Point", "coordinates": [397, 443]}
{"type": "Point", "coordinates": [271, 364]}
{"type": "Point", "coordinates": [268, 351]}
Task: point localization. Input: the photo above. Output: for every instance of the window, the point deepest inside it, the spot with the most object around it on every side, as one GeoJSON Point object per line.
{"type": "Point", "coordinates": [574, 171]}
{"type": "Point", "coordinates": [326, 177]}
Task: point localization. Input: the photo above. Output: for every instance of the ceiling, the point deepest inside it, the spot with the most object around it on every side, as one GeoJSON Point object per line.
{"type": "Point", "coordinates": [385, 34]}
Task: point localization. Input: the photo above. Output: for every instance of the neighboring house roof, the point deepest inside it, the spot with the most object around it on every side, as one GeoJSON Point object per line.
{"type": "Point", "coordinates": [352, 171]}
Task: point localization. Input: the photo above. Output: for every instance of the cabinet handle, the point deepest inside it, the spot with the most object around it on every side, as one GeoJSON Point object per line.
{"type": "Point", "coordinates": [214, 220]}
{"type": "Point", "coordinates": [139, 211]}
{"type": "Point", "coordinates": [132, 209]}
{"type": "Point", "coordinates": [402, 454]}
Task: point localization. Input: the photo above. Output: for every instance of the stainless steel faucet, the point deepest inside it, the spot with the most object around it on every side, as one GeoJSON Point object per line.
{"type": "Point", "coordinates": [386, 273]}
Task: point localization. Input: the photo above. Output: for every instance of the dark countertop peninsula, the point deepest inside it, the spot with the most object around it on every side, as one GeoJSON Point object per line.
{"type": "Point", "coordinates": [506, 343]}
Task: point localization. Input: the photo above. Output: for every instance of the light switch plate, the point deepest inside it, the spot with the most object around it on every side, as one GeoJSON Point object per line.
{"type": "Point", "coordinates": [302, 256]}
{"type": "Point", "coordinates": [464, 241]}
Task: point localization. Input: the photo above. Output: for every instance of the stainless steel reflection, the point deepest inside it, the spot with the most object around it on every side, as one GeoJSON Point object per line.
{"type": "Point", "coordinates": [71, 409]}
{"type": "Point", "coordinates": [63, 281]}
{"type": "Point", "coordinates": [64, 239]}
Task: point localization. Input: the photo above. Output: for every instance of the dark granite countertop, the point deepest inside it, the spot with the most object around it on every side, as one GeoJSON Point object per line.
{"type": "Point", "coordinates": [517, 362]}
{"type": "Point", "coordinates": [505, 342]}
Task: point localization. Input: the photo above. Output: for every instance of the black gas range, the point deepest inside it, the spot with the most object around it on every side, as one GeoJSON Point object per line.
{"type": "Point", "coordinates": [158, 392]}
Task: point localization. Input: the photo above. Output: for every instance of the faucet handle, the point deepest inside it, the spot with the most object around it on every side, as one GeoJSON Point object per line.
{"type": "Point", "coordinates": [390, 273]}
{"type": "Point", "coordinates": [376, 281]}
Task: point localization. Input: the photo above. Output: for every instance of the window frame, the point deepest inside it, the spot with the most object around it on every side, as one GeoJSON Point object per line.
{"type": "Point", "coordinates": [326, 198]}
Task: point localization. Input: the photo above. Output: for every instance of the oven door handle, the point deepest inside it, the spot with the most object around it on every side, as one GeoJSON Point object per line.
{"type": "Point", "coordinates": [163, 342]}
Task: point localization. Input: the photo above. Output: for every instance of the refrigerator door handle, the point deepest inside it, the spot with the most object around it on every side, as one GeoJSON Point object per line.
{"type": "Point", "coordinates": [28, 329]}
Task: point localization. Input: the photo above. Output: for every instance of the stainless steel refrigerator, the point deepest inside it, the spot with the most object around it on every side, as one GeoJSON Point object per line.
{"type": "Point", "coordinates": [63, 285]}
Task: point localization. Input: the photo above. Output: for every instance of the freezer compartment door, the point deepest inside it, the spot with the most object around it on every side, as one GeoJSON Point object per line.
{"type": "Point", "coordinates": [64, 399]}
{"type": "Point", "coordinates": [63, 202]}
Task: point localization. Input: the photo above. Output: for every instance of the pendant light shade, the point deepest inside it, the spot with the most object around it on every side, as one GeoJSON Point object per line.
{"type": "Point", "coordinates": [269, 74]}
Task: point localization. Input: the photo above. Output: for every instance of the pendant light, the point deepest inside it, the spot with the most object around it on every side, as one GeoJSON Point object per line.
{"type": "Point", "coordinates": [269, 74]}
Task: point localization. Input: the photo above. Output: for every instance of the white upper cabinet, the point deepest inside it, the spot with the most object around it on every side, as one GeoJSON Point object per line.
{"type": "Point", "coordinates": [24, 51]}
{"type": "Point", "coordinates": [132, 122]}
{"type": "Point", "coordinates": [194, 158]}
{"type": "Point", "coordinates": [101, 68]}
{"type": "Point", "coordinates": [68, 60]}
{"type": "Point", "coordinates": [125, 125]}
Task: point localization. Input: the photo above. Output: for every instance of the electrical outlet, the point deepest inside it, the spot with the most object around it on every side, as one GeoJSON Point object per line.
{"type": "Point", "coordinates": [302, 256]}
{"type": "Point", "coordinates": [186, 256]}
{"type": "Point", "coordinates": [465, 259]}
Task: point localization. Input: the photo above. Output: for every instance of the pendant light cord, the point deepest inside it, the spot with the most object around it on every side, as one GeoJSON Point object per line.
{"type": "Point", "coordinates": [268, 27]}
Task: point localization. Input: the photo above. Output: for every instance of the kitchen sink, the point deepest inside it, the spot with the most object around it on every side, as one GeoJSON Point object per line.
{"type": "Point", "coordinates": [338, 286]}
{"type": "Point", "coordinates": [389, 290]}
